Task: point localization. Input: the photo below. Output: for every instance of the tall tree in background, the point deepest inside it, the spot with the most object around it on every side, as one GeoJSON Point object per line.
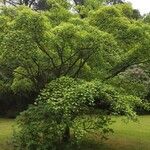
{"type": "Point", "coordinates": [36, 4]}
{"type": "Point", "coordinates": [113, 2]}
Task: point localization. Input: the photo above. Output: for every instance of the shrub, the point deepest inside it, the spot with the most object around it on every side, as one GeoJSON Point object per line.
{"type": "Point", "coordinates": [64, 113]}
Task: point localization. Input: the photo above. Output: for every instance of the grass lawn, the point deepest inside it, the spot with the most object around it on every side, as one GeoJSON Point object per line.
{"type": "Point", "coordinates": [131, 136]}
{"type": "Point", "coordinates": [5, 133]}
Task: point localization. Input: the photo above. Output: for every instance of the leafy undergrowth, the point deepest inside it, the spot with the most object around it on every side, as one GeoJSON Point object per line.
{"type": "Point", "coordinates": [131, 136]}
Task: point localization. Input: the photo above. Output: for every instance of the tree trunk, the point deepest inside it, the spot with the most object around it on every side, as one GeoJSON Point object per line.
{"type": "Point", "coordinates": [66, 136]}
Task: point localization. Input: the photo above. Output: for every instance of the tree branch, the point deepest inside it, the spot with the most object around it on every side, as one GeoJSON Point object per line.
{"type": "Point", "coordinates": [123, 67]}
{"type": "Point", "coordinates": [44, 51]}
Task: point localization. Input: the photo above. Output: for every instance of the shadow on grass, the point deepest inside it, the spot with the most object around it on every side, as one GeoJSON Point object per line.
{"type": "Point", "coordinates": [93, 145]}
{"type": "Point", "coordinates": [91, 142]}
{"type": "Point", "coordinates": [6, 145]}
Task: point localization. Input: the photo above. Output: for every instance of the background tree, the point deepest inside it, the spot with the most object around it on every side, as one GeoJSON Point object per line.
{"type": "Point", "coordinates": [113, 2]}
{"type": "Point", "coordinates": [36, 4]}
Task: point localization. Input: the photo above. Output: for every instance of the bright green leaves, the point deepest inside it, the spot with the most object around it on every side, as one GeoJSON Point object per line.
{"type": "Point", "coordinates": [37, 47]}
{"type": "Point", "coordinates": [147, 19]}
{"type": "Point", "coordinates": [57, 4]}
{"type": "Point", "coordinates": [17, 48]}
{"type": "Point", "coordinates": [132, 36]}
{"type": "Point", "coordinates": [55, 43]}
{"type": "Point", "coordinates": [111, 20]}
{"type": "Point", "coordinates": [58, 15]}
{"type": "Point", "coordinates": [127, 11]}
{"type": "Point", "coordinates": [22, 85]}
{"type": "Point", "coordinates": [72, 47]}
{"type": "Point", "coordinates": [66, 49]}
{"type": "Point", "coordinates": [3, 23]}
{"type": "Point", "coordinates": [66, 102]}
{"type": "Point", "coordinates": [103, 16]}
{"type": "Point", "coordinates": [33, 23]}
{"type": "Point", "coordinates": [88, 6]}
{"type": "Point", "coordinates": [85, 44]}
{"type": "Point", "coordinates": [62, 50]}
{"type": "Point", "coordinates": [77, 96]}
{"type": "Point", "coordinates": [21, 81]}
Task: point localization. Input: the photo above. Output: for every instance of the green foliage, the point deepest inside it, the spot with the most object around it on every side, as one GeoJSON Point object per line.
{"type": "Point", "coordinates": [87, 6]}
{"type": "Point", "coordinates": [38, 5]}
{"type": "Point", "coordinates": [45, 53]}
{"type": "Point", "coordinates": [80, 49]}
{"type": "Point", "coordinates": [134, 81]}
{"type": "Point", "coordinates": [126, 31]}
{"type": "Point", "coordinates": [57, 4]}
{"type": "Point", "coordinates": [127, 10]}
{"type": "Point", "coordinates": [21, 83]}
{"type": "Point", "coordinates": [114, 2]}
{"type": "Point", "coordinates": [146, 18]}
{"type": "Point", "coordinates": [65, 103]}
{"type": "Point", "coordinates": [98, 43]}
{"type": "Point", "coordinates": [58, 15]}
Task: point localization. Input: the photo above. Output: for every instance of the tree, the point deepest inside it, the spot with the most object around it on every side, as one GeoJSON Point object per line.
{"type": "Point", "coordinates": [37, 4]}
{"type": "Point", "coordinates": [136, 14]}
{"type": "Point", "coordinates": [93, 52]}
{"type": "Point", "coordinates": [146, 18]}
{"type": "Point", "coordinates": [52, 55]}
{"type": "Point", "coordinates": [65, 104]}
{"type": "Point", "coordinates": [127, 34]}
{"type": "Point", "coordinates": [113, 2]}
{"type": "Point", "coordinates": [65, 50]}
{"type": "Point", "coordinates": [37, 47]}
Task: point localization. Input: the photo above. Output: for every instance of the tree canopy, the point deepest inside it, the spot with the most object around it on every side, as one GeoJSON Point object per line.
{"type": "Point", "coordinates": [68, 64]}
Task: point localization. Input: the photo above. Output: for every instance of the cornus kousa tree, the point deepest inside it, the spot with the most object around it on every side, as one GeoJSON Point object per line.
{"type": "Point", "coordinates": [73, 67]}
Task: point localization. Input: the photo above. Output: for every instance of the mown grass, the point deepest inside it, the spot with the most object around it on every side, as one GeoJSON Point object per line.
{"type": "Point", "coordinates": [127, 136]}
{"type": "Point", "coordinates": [130, 136]}
{"type": "Point", "coordinates": [6, 132]}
